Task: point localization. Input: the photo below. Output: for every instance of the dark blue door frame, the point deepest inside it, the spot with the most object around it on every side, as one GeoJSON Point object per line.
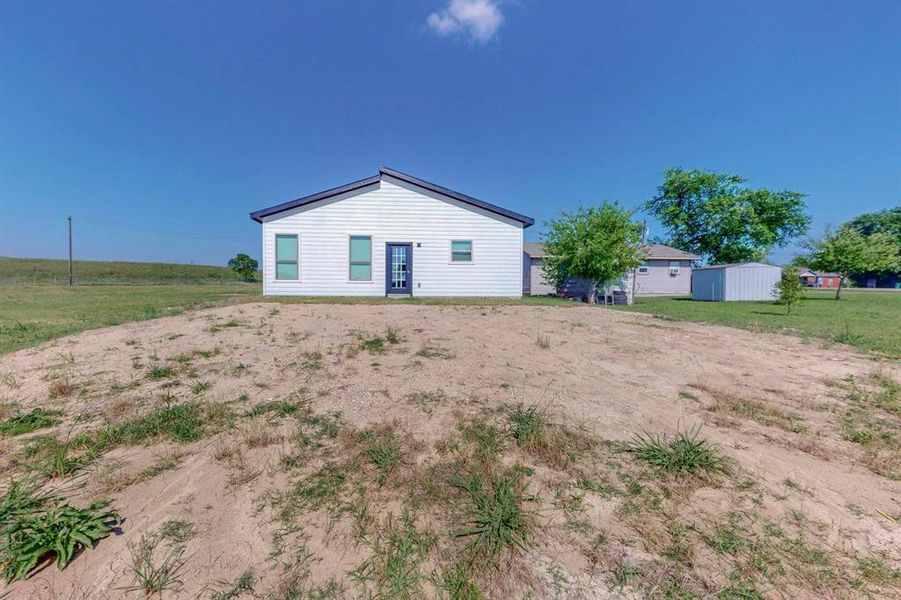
{"type": "Point", "coordinates": [399, 282]}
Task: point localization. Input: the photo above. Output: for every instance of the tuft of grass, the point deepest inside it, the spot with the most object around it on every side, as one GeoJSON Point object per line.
{"type": "Point", "coordinates": [527, 426]}
{"type": "Point", "coordinates": [235, 589]}
{"type": "Point", "coordinates": [180, 423]}
{"type": "Point", "coordinates": [62, 463]}
{"type": "Point", "coordinates": [312, 361]}
{"type": "Point", "coordinates": [322, 489]}
{"type": "Point", "coordinates": [61, 388]}
{"type": "Point", "coordinates": [543, 340]}
{"type": "Point", "coordinates": [177, 531]}
{"type": "Point", "coordinates": [200, 387]}
{"type": "Point", "coordinates": [429, 351]}
{"type": "Point", "coordinates": [24, 423]}
{"type": "Point", "coordinates": [427, 401]}
{"type": "Point", "coordinates": [154, 571]}
{"type": "Point", "coordinates": [484, 439]}
{"type": "Point", "coordinates": [684, 454]}
{"type": "Point", "coordinates": [157, 372]}
{"type": "Point", "coordinates": [398, 549]}
{"type": "Point", "coordinates": [496, 520]}
{"type": "Point", "coordinates": [457, 582]}
{"type": "Point", "coordinates": [385, 453]}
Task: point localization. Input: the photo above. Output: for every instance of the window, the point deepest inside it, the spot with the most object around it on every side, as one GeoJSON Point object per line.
{"type": "Point", "coordinates": [360, 258]}
{"type": "Point", "coordinates": [643, 270]}
{"type": "Point", "coordinates": [673, 268]}
{"type": "Point", "coordinates": [286, 257]}
{"type": "Point", "coordinates": [461, 251]}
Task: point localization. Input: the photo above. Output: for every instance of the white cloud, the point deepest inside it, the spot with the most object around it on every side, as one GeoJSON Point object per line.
{"type": "Point", "coordinates": [477, 19]}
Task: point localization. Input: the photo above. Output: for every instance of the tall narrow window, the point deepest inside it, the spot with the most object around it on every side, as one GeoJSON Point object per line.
{"type": "Point", "coordinates": [286, 257]}
{"type": "Point", "coordinates": [360, 258]}
{"type": "Point", "coordinates": [461, 251]}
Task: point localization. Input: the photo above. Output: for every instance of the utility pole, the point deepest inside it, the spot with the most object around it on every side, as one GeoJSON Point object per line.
{"type": "Point", "coordinates": [644, 233]}
{"type": "Point", "coordinates": [69, 219]}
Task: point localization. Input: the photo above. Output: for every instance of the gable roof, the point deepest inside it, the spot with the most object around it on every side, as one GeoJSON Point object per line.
{"type": "Point", "coordinates": [655, 252]}
{"type": "Point", "coordinates": [259, 215]}
{"type": "Point", "coordinates": [661, 251]}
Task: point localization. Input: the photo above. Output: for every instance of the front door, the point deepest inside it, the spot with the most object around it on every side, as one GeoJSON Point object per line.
{"type": "Point", "coordinates": [399, 269]}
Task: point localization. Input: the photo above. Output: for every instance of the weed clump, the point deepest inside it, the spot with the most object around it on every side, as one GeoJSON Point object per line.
{"type": "Point", "coordinates": [684, 454]}
{"type": "Point", "coordinates": [36, 527]}
{"type": "Point", "coordinates": [31, 421]}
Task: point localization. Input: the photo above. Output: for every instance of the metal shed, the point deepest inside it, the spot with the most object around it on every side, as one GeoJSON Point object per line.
{"type": "Point", "coordinates": [739, 281]}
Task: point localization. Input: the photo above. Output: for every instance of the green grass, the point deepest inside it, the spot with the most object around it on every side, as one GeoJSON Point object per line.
{"type": "Point", "coordinates": [860, 318]}
{"type": "Point", "coordinates": [31, 315]}
{"type": "Point", "coordinates": [24, 271]}
{"type": "Point", "coordinates": [27, 422]}
{"type": "Point", "coordinates": [684, 454]}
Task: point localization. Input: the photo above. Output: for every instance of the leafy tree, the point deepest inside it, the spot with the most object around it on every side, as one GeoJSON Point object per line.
{"type": "Point", "coordinates": [713, 215]}
{"type": "Point", "coordinates": [244, 266]}
{"type": "Point", "coordinates": [789, 289]}
{"type": "Point", "coordinates": [883, 221]}
{"type": "Point", "coordinates": [848, 251]}
{"type": "Point", "coordinates": [596, 244]}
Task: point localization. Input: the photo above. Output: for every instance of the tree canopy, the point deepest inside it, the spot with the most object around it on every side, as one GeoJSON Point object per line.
{"type": "Point", "coordinates": [848, 251]}
{"type": "Point", "coordinates": [597, 244]}
{"type": "Point", "coordinates": [883, 221]}
{"type": "Point", "coordinates": [714, 215]}
{"type": "Point", "coordinates": [244, 266]}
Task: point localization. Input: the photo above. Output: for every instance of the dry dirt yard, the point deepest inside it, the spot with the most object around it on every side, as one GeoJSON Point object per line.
{"type": "Point", "coordinates": [329, 451]}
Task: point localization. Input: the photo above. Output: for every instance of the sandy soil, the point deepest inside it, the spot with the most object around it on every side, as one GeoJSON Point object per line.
{"type": "Point", "coordinates": [614, 374]}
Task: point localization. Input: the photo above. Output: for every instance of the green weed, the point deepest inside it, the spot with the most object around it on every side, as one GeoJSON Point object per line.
{"type": "Point", "coordinates": [684, 454]}
{"type": "Point", "coordinates": [24, 423]}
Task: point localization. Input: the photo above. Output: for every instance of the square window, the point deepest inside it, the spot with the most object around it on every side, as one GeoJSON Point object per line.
{"type": "Point", "coordinates": [461, 251]}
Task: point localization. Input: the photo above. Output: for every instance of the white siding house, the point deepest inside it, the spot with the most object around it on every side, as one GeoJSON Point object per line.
{"type": "Point", "coordinates": [391, 234]}
{"type": "Point", "coordinates": [740, 281]}
{"type": "Point", "coordinates": [665, 272]}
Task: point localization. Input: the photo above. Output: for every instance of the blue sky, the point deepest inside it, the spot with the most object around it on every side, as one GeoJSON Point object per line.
{"type": "Point", "coordinates": [161, 125]}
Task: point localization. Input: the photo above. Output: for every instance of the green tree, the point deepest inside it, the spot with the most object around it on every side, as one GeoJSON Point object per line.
{"type": "Point", "coordinates": [596, 244]}
{"type": "Point", "coordinates": [789, 289]}
{"type": "Point", "coordinates": [848, 251]}
{"type": "Point", "coordinates": [714, 215]}
{"type": "Point", "coordinates": [244, 266]}
{"type": "Point", "coordinates": [883, 221]}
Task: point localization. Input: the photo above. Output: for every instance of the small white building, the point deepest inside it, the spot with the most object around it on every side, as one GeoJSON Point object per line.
{"type": "Point", "coordinates": [739, 281]}
{"type": "Point", "coordinates": [391, 235]}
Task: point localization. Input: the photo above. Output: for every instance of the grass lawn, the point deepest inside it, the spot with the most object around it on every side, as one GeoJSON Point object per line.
{"type": "Point", "coordinates": [868, 320]}
{"type": "Point", "coordinates": [30, 315]}
{"type": "Point", "coordinates": [24, 271]}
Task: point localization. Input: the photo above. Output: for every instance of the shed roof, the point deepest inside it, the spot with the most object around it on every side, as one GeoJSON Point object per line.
{"type": "Point", "coordinates": [737, 265]}
{"type": "Point", "coordinates": [655, 252]}
{"type": "Point", "coordinates": [259, 215]}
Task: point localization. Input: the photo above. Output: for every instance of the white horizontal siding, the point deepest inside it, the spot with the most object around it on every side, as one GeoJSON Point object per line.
{"type": "Point", "coordinates": [393, 211]}
{"type": "Point", "coordinates": [539, 283]}
{"type": "Point", "coordinates": [658, 281]}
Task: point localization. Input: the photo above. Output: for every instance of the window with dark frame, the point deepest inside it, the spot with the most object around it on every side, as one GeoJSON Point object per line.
{"type": "Point", "coordinates": [461, 251]}
{"type": "Point", "coordinates": [360, 258]}
{"type": "Point", "coordinates": [286, 257]}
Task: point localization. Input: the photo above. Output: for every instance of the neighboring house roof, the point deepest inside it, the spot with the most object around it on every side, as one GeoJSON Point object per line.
{"type": "Point", "coordinates": [655, 252]}
{"type": "Point", "coordinates": [733, 265]}
{"type": "Point", "coordinates": [266, 212]}
{"type": "Point", "coordinates": [660, 251]}
{"type": "Point", "coordinates": [534, 250]}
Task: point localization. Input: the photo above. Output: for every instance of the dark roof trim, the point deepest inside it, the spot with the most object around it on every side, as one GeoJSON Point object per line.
{"type": "Point", "coordinates": [259, 215]}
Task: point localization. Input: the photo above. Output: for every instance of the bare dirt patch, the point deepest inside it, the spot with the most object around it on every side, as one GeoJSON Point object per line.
{"type": "Point", "coordinates": [340, 450]}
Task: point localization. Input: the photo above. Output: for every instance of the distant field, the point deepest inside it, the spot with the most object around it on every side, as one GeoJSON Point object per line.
{"type": "Point", "coordinates": [31, 271]}
{"type": "Point", "coordinates": [868, 320]}
{"type": "Point", "coordinates": [30, 315]}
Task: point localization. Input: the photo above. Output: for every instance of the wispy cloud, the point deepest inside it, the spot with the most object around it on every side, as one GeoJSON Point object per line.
{"type": "Point", "coordinates": [479, 20]}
